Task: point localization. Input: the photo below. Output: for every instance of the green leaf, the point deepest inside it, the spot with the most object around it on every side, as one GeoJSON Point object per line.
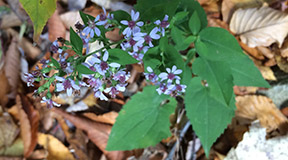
{"type": "Point", "coordinates": [55, 63]}
{"type": "Point", "coordinates": [194, 23]}
{"type": "Point", "coordinates": [180, 40]}
{"type": "Point", "coordinates": [207, 115]}
{"type": "Point", "coordinates": [191, 6]}
{"type": "Point", "coordinates": [173, 57]}
{"type": "Point", "coordinates": [217, 44]}
{"type": "Point", "coordinates": [121, 57]}
{"type": "Point", "coordinates": [39, 11]}
{"type": "Point", "coordinates": [245, 73]}
{"type": "Point", "coordinates": [84, 70]}
{"type": "Point", "coordinates": [151, 10]}
{"type": "Point", "coordinates": [121, 15]}
{"type": "Point", "coordinates": [143, 121]}
{"type": "Point", "coordinates": [153, 59]}
{"type": "Point", "coordinates": [187, 75]}
{"type": "Point", "coordinates": [86, 17]}
{"type": "Point", "coordinates": [218, 76]}
{"type": "Point", "coordinates": [76, 41]}
{"type": "Point", "coordinates": [179, 17]}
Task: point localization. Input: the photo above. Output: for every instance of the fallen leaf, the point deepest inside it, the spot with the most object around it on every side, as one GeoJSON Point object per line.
{"type": "Point", "coordinates": [8, 130]}
{"type": "Point", "coordinates": [260, 27]}
{"type": "Point", "coordinates": [252, 51]}
{"type": "Point", "coordinates": [29, 121]}
{"type": "Point", "coordinates": [56, 28]}
{"type": "Point", "coordinates": [254, 107]}
{"type": "Point", "coordinates": [12, 69]}
{"type": "Point", "coordinates": [282, 63]}
{"type": "Point", "coordinates": [5, 89]}
{"type": "Point", "coordinates": [284, 50]}
{"type": "Point", "coordinates": [108, 118]}
{"type": "Point", "coordinates": [265, 51]}
{"type": "Point", "coordinates": [70, 18]}
{"type": "Point", "coordinates": [266, 72]}
{"type": "Point", "coordinates": [56, 149]}
{"type": "Point", "coordinates": [228, 7]}
{"type": "Point", "coordinates": [9, 20]}
{"type": "Point", "coordinates": [16, 149]}
{"type": "Point", "coordinates": [97, 132]}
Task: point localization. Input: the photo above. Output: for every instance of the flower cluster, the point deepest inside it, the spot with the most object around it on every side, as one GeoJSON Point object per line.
{"type": "Point", "coordinates": [105, 77]}
{"type": "Point", "coordinates": [138, 40]}
{"type": "Point", "coordinates": [168, 82]}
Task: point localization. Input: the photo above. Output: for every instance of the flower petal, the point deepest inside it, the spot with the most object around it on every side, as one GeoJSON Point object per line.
{"type": "Point", "coordinates": [149, 69]}
{"type": "Point", "coordinates": [97, 31]}
{"type": "Point", "coordinates": [124, 22]}
{"type": "Point", "coordinates": [69, 92]}
{"type": "Point", "coordinates": [105, 56]}
{"type": "Point", "coordinates": [163, 76]}
{"type": "Point", "coordinates": [140, 23]}
{"type": "Point", "coordinates": [114, 64]}
{"type": "Point", "coordinates": [178, 71]}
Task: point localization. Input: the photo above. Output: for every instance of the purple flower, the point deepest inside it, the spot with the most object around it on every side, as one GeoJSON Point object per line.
{"type": "Point", "coordinates": [96, 85]}
{"type": "Point", "coordinates": [66, 84]}
{"type": "Point", "coordinates": [133, 25]}
{"type": "Point", "coordinates": [29, 78]}
{"type": "Point", "coordinates": [171, 75]}
{"type": "Point", "coordinates": [163, 24]}
{"type": "Point", "coordinates": [137, 56]}
{"type": "Point", "coordinates": [164, 88]}
{"type": "Point", "coordinates": [132, 43]}
{"type": "Point", "coordinates": [121, 76]}
{"type": "Point", "coordinates": [147, 38]}
{"type": "Point", "coordinates": [151, 76]}
{"type": "Point", "coordinates": [103, 66]}
{"type": "Point", "coordinates": [92, 27]}
{"type": "Point", "coordinates": [99, 94]}
{"type": "Point", "coordinates": [55, 47]}
{"type": "Point", "coordinates": [178, 88]}
{"type": "Point", "coordinates": [49, 102]}
{"type": "Point", "coordinates": [103, 18]}
{"type": "Point", "coordinates": [115, 90]}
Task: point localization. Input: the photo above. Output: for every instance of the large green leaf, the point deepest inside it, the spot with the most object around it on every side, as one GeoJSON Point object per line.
{"type": "Point", "coordinates": [208, 116]}
{"type": "Point", "coordinates": [151, 10]}
{"type": "Point", "coordinates": [76, 41]}
{"type": "Point", "coordinates": [143, 122]}
{"type": "Point", "coordinates": [121, 57]}
{"type": "Point", "coordinates": [218, 76]}
{"type": "Point", "coordinates": [217, 44]}
{"type": "Point", "coordinates": [39, 11]}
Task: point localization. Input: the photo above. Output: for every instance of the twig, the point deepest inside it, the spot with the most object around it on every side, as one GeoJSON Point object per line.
{"type": "Point", "coordinates": [182, 133]}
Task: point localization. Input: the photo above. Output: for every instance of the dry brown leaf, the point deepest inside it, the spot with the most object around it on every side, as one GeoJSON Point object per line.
{"type": "Point", "coordinates": [5, 88]}
{"type": "Point", "coordinates": [108, 118]}
{"type": "Point", "coordinates": [12, 69]}
{"type": "Point", "coordinates": [265, 51]}
{"type": "Point", "coordinates": [56, 27]}
{"type": "Point", "coordinates": [260, 27]}
{"type": "Point", "coordinates": [229, 6]}
{"type": "Point", "coordinates": [56, 149]}
{"type": "Point", "coordinates": [97, 132]}
{"type": "Point", "coordinates": [251, 51]}
{"type": "Point", "coordinates": [8, 130]}
{"type": "Point", "coordinates": [9, 20]}
{"type": "Point", "coordinates": [70, 18]}
{"type": "Point", "coordinates": [284, 49]}
{"type": "Point", "coordinates": [31, 51]}
{"type": "Point", "coordinates": [271, 62]}
{"type": "Point", "coordinates": [266, 72]}
{"type": "Point", "coordinates": [215, 22]}
{"type": "Point", "coordinates": [241, 91]}
{"type": "Point", "coordinates": [255, 107]}
{"type": "Point", "coordinates": [29, 121]}
{"type": "Point", "coordinates": [282, 63]}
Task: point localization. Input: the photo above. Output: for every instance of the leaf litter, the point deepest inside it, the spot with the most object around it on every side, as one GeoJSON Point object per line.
{"type": "Point", "coordinates": [264, 39]}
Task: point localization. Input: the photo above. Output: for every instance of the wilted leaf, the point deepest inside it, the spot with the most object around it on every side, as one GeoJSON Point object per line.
{"type": "Point", "coordinates": [5, 89]}
{"type": "Point", "coordinates": [255, 107]}
{"type": "Point", "coordinates": [108, 118]}
{"type": "Point", "coordinates": [29, 121]}
{"type": "Point", "coordinates": [16, 149]}
{"type": "Point", "coordinates": [266, 72]}
{"type": "Point", "coordinates": [8, 130]}
{"type": "Point", "coordinates": [12, 68]}
{"type": "Point", "coordinates": [56, 27]}
{"type": "Point", "coordinates": [55, 148]}
{"type": "Point", "coordinates": [39, 11]}
{"type": "Point", "coordinates": [97, 132]}
{"type": "Point", "coordinates": [282, 63]}
{"type": "Point", "coordinates": [260, 27]}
